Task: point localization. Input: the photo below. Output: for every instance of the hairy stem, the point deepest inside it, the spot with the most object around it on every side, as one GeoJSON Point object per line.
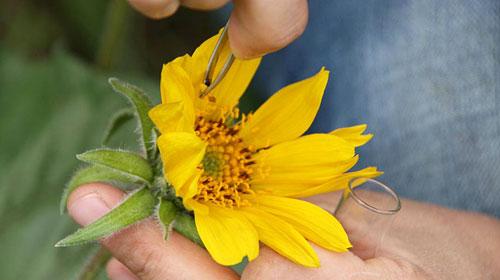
{"type": "Point", "coordinates": [95, 264]}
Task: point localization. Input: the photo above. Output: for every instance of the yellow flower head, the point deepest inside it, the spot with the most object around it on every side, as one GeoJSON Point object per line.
{"type": "Point", "coordinates": [241, 175]}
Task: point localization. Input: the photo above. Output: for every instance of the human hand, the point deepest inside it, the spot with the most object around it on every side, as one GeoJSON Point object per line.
{"type": "Point", "coordinates": [424, 242]}
{"type": "Point", "coordinates": [256, 27]}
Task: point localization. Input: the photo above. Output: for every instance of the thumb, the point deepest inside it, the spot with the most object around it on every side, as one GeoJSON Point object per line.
{"type": "Point", "coordinates": [141, 247]}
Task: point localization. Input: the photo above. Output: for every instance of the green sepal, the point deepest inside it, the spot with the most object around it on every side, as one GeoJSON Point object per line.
{"type": "Point", "coordinates": [94, 173]}
{"type": "Point", "coordinates": [117, 121]}
{"type": "Point", "coordinates": [142, 106]}
{"type": "Point", "coordinates": [138, 206]}
{"type": "Point", "coordinates": [166, 214]}
{"type": "Point", "coordinates": [123, 161]}
{"type": "Point", "coordinates": [185, 225]}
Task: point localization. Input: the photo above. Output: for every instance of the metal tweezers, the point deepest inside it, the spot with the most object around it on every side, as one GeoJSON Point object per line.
{"type": "Point", "coordinates": [209, 72]}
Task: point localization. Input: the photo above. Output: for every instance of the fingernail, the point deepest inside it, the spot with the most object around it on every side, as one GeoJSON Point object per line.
{"type": "Point", "coordinates": [88, 209]}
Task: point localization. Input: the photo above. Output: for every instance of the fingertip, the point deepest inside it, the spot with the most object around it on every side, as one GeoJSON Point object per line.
{"type": "Point", "coordinates": [204, 4]}
{"type": "Point", "coordinates": [111, 194]}
{"type": "Point", "coordinates": [236, 39]}
{"type": "Point", "coordinates": [118, 271]}
{"type": "Point", "coordinates": [257, 28]}
{"type": "Point", "coordinates": [89, 202]}
{"type": "Point", "coordinates": [155, 9]}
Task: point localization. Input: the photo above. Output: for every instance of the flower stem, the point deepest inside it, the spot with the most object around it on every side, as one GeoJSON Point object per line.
{"type": "Point", "coordinates": [95, 264]}
{"type": "Point", "coordinates": [114, 27]}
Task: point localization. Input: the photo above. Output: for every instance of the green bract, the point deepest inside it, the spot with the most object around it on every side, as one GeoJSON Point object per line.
{"type": "Point", "coordinates": [142, 105]}
{"type": "Point", "coordinates": [95, 173]}
{"type": "Point", "coordinates": [120, 161]}
{"type": "Point", "coordinates": [153, 196]}
{"type": "Point", "coordinates": [167, 212]}
{"type": "Point", "coordinates": [138, 206]}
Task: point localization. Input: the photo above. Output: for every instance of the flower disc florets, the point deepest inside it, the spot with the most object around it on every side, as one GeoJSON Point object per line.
{"type": "Point", "coordinates": [227, 164]}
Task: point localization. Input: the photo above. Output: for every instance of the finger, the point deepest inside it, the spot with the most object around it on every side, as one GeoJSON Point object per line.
{"type": "Point", "coordinates": [204, 4]}
{"type": "Point", "coordinates": [365, 229]}
{"type": "Point", "coordinates": [334, 265]}
{"type": "Point", "coordinates": [155, 9]}
{"type": "Point", "coordinates": [117, 271]}
{"type": "Point", "coordinates": [270, 263]}
{"type": "Point", "coordinates": [258, 27]}
{"type": "Point", "coordinates": [141, 247]}
{"type": "Point", "coordinates": [327, 201]}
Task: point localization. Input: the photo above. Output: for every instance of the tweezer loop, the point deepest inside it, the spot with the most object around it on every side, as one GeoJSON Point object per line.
{"type": "Point", "coordinates": [209, 72]}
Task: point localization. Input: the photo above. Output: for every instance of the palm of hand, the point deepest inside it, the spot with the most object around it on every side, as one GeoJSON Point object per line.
{"type": "Point", "coordinates": [423, 242]}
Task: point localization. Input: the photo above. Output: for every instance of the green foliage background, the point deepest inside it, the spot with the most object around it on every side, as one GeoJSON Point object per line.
{"type": "Point", "coordinates": [55, 102]}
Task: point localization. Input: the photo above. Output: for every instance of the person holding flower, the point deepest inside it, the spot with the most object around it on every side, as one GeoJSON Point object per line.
{"type": "Point", "coordinates": [426, 241]}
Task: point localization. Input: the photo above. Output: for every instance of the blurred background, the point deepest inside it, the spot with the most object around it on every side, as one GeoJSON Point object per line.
{"type": "Point", "coordinates": [55, 102]}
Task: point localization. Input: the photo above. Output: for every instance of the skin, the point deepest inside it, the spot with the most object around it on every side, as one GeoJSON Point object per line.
{"type": "Point", "coordinates": [424, 242]}
{"type": "Point", "coordinates": [256, 27]}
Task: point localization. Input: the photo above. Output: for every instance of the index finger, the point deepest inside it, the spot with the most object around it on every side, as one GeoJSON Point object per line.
{"type": "Point", "coordinates": [258, 27]}
{"type": "Point", "coordinates": [158, 9]}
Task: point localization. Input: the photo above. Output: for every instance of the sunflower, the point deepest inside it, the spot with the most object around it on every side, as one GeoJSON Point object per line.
{"type": "Point", "coordinates": [241, 174]}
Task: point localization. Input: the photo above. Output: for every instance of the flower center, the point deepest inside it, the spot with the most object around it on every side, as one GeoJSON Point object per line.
{"type": "Point", "coordinates": [213, 163]}
{"type": "Point", "coordinates": [227, 165]}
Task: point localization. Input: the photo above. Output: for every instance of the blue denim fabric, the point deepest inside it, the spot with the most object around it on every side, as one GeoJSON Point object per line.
{"type": "Point", "coordinates": [424, 76]}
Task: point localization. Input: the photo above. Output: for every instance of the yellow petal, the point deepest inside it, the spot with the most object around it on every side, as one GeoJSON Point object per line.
{"type": "Point", "coordinates": [285, 182]}
{"type": "Point", "coordinates": [311, 221]}
{"type": "Point", "coordinates": [303, 187]}
{"type": "Point", "coordinates": [338, 183]}
{"type": "Point", "coordinates": [193, 205]}
{"type": "Point", "coordinates": [181, 153]}
{"type": "Point", "coordinates": [281, 237]}
{"type": "Point", "coordinates": [170, 117]}
{"type": "Point", "coordinates": [353, 134]}
{"type": "Point", "coordinates": [198, 62]}
{"type": "Point", "coordinates": [186, 62]}
{"type": "Point", "coordinates": [227, 235]}
{"type": "Point", "coordinates": [267, 177]}
{"type": "Point", "coordinates": [229, 90]}
{"type": "Point", "coordinates": [176, 86]}
{"type": "Point", "coordinates": [190, 188]}
{"type": "Point", "coordinates": [287, 114]}
{"type": "Point", "coordinates": [310, 157]}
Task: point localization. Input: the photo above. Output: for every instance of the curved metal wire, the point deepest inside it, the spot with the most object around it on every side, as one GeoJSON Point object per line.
{"type": "Point", "coordinates": [209, 72]}
{"type": "Point", "coordinates": [370, 207]}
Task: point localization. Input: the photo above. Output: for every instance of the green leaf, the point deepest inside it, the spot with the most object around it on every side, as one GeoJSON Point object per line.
{"type": "Point", "coordinates": [138, 206]}
{"type": "Point", "coordinates": [166, 214]}
{"type": "Point", "coordinates": [142, 106]}
{"type": "Point", "coordinates": [95, 173]}
{"type": "Point", "coordinates": [124, 161]}
{"type": "Point", "coordinates": [184, 224]}
{"type": "Point", "coordinates": [117, 121]}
